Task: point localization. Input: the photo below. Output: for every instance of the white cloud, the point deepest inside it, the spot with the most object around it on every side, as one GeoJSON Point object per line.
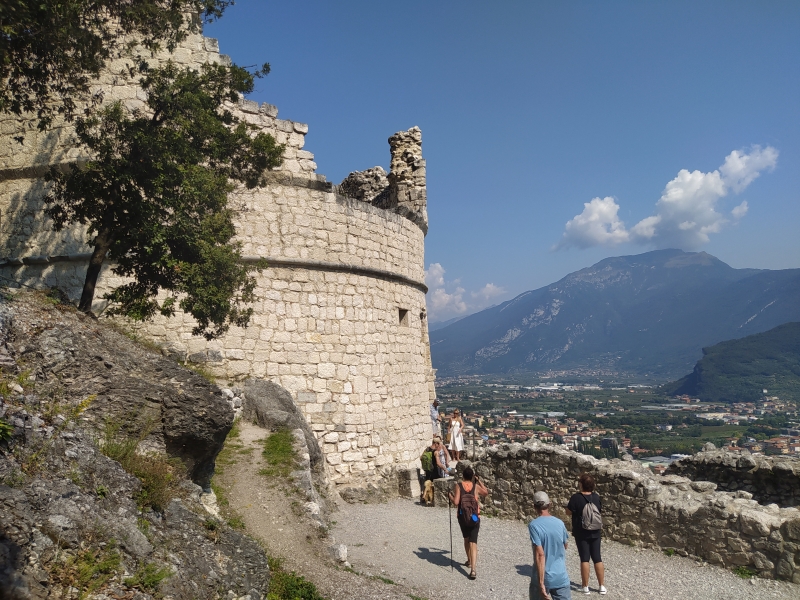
{"type": "Point", "coordinates": [740, 211]}
{"type": "Point", "coordinates": [597, 225]}
{"type": "Point", "coordinates": [447, 299]}
{"type": "Point", "coordinates": [488, 293]}
{"type": "Point", "coordinates": [686, 212]}
{"type": "Point", "coordinates": [434, 276]}
{"type": "Point", "coordinates": [740, 169]}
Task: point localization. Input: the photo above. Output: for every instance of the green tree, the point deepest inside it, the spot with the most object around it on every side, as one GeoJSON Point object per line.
{"type": "Point", "coordinates": [50, 50]}
{"type": "Point", "coordinates": [154, 195]}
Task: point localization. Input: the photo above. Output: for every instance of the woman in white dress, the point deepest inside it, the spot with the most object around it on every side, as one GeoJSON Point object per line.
{"type": "Point", "coordinates": [456, 435]}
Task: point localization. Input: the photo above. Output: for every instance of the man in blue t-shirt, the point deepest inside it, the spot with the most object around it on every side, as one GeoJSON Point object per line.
{"type": "Point", "coordinates": [549, 538]}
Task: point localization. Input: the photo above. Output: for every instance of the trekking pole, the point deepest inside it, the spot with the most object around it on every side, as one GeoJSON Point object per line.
{"type": "Point", "coordinates": [450, 515]}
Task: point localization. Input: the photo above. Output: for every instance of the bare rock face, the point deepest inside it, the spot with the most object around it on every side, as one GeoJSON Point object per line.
{"type": "Point", "coordinates": [74, 360]}
{"type": "Point", "coordinates": [64, 504]}
{"type": "Point", "coordinates": [365, 185]}
{"type": "Point", "coordinates": [83, 502]}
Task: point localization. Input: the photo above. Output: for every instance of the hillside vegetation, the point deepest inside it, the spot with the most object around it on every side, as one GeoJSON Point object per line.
{"type": "Point", "coordinates": [739, 370]}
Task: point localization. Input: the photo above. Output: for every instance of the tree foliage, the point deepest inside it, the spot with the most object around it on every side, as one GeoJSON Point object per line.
{"type": "Point", "coordinates": [51, 49]}
{"type": "Point", "coordinates": [154, 195]}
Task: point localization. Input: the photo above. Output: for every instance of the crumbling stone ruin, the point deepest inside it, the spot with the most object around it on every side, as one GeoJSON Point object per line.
{"type": "Point", "coordinates": [340, 319]}
{"type": "Point", "coordinates": [403, 190]}
{"type": "Point", "coordinates": [770, 479]}
{"type": "Point", "coordinates": [690, 518]}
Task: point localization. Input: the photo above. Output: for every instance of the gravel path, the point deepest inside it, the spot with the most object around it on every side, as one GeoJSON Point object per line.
{"type": "Point", "coordinates": [410, 545]}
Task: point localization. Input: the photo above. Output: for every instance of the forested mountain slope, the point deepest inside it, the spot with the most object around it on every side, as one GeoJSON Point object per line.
{"type": "Point", "coordinates": [740, 370]}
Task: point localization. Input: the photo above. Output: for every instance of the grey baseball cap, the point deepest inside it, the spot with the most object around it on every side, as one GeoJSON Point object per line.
{"type": "Point", "coordinates": [541, 498]}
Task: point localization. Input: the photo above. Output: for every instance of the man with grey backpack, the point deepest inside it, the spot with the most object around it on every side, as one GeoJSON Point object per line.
{"type": "Point", "coordinates": [587, 523]}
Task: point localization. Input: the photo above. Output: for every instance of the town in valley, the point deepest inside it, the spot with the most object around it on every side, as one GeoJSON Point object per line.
{"type": "Point", "coordinates": [608, 419]}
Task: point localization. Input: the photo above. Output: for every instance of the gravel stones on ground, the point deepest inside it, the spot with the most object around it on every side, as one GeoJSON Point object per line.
{"type": "Point", "coordinates": [410, 545]}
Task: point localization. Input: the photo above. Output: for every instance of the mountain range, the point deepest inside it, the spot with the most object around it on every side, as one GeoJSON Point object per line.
{"type": "Point", "coordinates": [647, 315]}
{"type": "Point", "coordinates": [747, 369]}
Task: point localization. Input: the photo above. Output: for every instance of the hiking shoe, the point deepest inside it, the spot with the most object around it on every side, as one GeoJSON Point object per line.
{"type": "Point", "coordinates": [603, 590]}
{"type": "Point", "coordinates": [585, 589]}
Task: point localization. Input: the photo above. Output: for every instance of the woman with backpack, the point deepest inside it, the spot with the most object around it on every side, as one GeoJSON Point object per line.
{"type": "Point", "coordinates": [585, 508]}
{"type": "Point", "coordinates": [465, 497]}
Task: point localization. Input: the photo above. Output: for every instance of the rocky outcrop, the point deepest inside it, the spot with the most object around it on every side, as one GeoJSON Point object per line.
{"type": "Point", "coordinates": [770, 479]}
{"type": "Point", "coordinates": [73, 521]}
{"type": "Point", "coordinates": [81, 509]}
{"type": "Point", "coordinates": [71, 359]}
{"type": "Point", "coordinates": [268, 405]}
{"type": "Point", "coordinates": [671, 512]}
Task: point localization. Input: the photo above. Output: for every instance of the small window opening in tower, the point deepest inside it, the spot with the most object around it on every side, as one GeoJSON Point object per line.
{"type": "Point", "coordinates": [403, 314]}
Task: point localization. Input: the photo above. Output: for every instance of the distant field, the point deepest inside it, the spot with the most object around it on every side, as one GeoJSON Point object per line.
{"type": "Point", "coordinates": [722, 430]}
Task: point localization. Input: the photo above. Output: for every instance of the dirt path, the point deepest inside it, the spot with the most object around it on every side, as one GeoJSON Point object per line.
{"type": "Point", "coordinates": [401, 550]}
{"type": "Point", "coordinates": [272, 514]}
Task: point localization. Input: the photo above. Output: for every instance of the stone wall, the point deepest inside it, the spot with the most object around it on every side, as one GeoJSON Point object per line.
{"type": "Point", "coordinates": [771, 479]}
{"type": "Point", "coordinates": [670, 512]}
{"type": "Point", "coordinates": [340, 317]}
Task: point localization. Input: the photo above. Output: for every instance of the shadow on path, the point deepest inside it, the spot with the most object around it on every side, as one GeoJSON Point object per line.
{"type": "Point", "coordinates": [435, 556]}
{"type": "Point", "coordinates": [524, 570]}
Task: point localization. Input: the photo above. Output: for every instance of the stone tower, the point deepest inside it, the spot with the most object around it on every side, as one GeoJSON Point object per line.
{"type": "Point", "coordinates": [340, 319]}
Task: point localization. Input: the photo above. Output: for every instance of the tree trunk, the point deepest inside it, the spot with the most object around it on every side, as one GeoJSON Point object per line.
{"type": "Point", "coordinates": [102, 243]}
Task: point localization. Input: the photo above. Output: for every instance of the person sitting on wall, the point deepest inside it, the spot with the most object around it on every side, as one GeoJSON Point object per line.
{"type": "Point", "coordinates": [549, 538]}
{"type": "Point", "coordinates": [442, 458]}
{"type": "Point", "coordinates": [428, 461]}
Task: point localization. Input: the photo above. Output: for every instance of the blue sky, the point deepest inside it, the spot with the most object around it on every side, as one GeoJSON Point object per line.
{"type": "Point", "coordinates": [556, 133]}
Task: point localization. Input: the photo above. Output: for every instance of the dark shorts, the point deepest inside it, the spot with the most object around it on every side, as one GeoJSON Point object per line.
{"type": "Point", "coordinates": [469, 532]}
{"type": "Point", "coordinates": [589, 548]}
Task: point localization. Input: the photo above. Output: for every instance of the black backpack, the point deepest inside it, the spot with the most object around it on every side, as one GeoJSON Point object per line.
{"type": "Point", "coordinates": [468, 505]}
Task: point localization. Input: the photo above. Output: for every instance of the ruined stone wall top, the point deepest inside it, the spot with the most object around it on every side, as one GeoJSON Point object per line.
{"type": "Point", "coordinates": [404, 189]}
{"type": "Point", "coordinates": [770, 479]}
{"type": "Point", "coordinates": [690, 518]}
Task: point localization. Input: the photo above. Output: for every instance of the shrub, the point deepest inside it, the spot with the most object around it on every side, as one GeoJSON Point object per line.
{"type": "Point", "coordinates": [6, 430]}
{"type": "Point", "coordinates": [148, 576]}
{"type": "Point", "coordinates": [158, 473]}
{"type": "Point", "coordinates": [744, 572]}
{"type": "Point", "coordinates": [284, 585]}
{"type": "Point", "coordinates": [89, 570]}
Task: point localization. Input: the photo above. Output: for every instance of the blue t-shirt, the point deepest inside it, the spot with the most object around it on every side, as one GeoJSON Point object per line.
{"type": "Point", "coordinates": [551, 535]}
